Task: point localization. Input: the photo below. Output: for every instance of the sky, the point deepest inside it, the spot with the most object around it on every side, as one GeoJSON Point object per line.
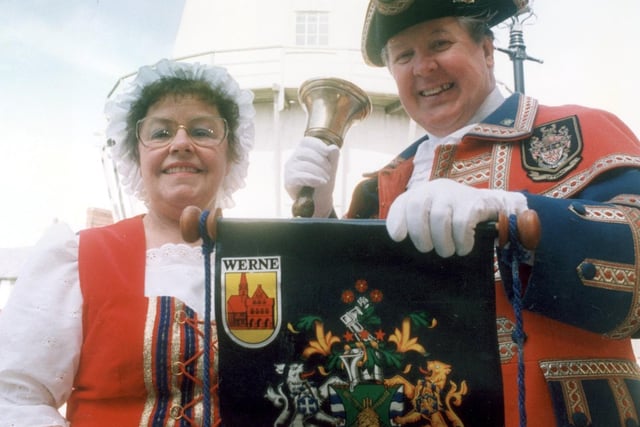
{"type": "Point", "coordinates": [589, 49]}
{"type": "Point", "coordinates": [60, 59]}
{"type": "Point", "coordinates": [58, 62]}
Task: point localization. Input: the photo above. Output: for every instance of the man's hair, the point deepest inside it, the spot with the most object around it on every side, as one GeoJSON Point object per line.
{"type": "Point", "coordinates": [476, 27]}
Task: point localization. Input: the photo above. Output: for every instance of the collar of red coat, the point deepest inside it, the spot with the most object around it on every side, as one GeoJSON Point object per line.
{"type": "Point", "coordinates": [513, 120]}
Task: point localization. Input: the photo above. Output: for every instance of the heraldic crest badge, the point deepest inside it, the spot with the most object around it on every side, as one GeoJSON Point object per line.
{"type": "Point", "coordinates": [553, 150]}
{"type": "Point", "coordinates": [330, 323]}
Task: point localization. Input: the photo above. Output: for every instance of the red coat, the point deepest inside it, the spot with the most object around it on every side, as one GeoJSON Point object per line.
{"type": "Point", "coordinates": [579, 169]}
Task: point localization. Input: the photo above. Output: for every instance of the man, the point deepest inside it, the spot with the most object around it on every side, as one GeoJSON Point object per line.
{"type": "Point", "coordinates": [483, 155]}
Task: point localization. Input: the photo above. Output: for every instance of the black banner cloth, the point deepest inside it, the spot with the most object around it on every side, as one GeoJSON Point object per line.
{"type": "Point", "coordinates": [330, 322]}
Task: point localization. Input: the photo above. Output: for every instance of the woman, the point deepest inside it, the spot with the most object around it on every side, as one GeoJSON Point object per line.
{"type": "Point", "coordinates": [482, 155]}
{"type": "Point", "coordinates": [110, 321]}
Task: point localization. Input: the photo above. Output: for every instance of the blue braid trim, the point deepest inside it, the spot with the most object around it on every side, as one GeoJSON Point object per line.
{"type": "Point", "coordinates": [162, 357]}
{"type": "Point", "coordinates": [207, 249]}
{"type": "Point", "coordinates": [513, 256]}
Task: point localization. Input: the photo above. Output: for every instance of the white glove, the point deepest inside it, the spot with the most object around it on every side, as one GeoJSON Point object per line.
{"type": "Point", "coordinates": [313, 164]}
{"type": "Point", "coordinates": [443, 214]}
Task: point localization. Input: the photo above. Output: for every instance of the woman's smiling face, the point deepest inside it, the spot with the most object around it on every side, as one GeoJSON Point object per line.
{"type": "Point", "coordinates": [182, 173]}
{"type": "Point", "coordinates": [443, 75]}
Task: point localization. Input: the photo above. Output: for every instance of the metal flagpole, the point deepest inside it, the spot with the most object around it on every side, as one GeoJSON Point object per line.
{"type": "Point", "coordinates": [517, 50]}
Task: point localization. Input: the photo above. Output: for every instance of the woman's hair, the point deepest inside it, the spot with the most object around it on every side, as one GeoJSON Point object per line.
{"type": "Point", "coordinates": [476, 26]}
{"type": "Point", "coordinates": [178, 87]}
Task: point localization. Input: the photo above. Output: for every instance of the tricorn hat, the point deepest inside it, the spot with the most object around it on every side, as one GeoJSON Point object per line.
{"type": "Point", "coordinates": [386, 18]}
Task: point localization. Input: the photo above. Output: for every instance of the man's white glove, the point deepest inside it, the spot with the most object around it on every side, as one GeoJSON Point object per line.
{"type": "Point", "coordinates": [443, 214]}
{"type": "Point", "coordinates": [313, 164]}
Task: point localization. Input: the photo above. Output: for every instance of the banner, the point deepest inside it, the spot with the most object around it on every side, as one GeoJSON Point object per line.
{"type": "Point", "coordinates": [331, 323]}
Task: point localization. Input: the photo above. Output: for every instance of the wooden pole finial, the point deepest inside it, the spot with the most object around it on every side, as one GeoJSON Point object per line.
{"type": "Point", "coordinates": [528, 229]}
{"type": "Point", "coordinates": [190, 224]}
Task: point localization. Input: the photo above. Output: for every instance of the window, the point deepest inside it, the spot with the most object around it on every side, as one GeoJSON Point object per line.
{"type": "Point", "coordinates": [312, 28]}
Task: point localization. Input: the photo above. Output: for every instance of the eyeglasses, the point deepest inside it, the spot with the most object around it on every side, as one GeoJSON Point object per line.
{"type": "Point", "coordinates": [206, 131]}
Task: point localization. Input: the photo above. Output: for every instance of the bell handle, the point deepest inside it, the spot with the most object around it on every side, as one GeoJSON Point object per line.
{"type": "Point", "coordinates": [303, 206]}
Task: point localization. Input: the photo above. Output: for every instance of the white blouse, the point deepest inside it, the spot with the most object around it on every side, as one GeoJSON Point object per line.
{"type": "Point", "coordinates": [41, 325]}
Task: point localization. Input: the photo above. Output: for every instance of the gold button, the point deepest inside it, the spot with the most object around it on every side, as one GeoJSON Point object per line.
{"type": "Point", "coordinates": [177, 368]}
{"type": "Point", "coordinates": [180, 316]}
{"type": "Point", "coordinates": [176, 412]}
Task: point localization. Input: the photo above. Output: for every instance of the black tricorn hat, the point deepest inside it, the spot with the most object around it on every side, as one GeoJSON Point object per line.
{"type": "Point", "coordinates": [386, 18]}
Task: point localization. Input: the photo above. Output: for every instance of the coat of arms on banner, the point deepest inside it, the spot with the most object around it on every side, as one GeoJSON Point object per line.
{"type": "Point", "coordinates": [333, 324]}
{"type": "Point", "coordinates": [353, 363]}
